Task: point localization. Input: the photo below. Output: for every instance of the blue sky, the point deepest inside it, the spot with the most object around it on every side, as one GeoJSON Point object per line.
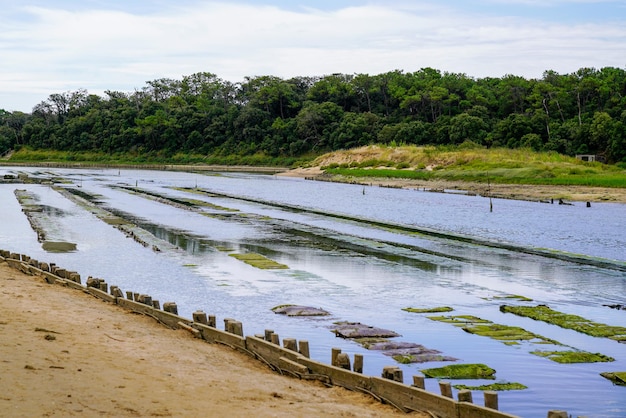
{"type": "Point", "coordinates": [54, 46]}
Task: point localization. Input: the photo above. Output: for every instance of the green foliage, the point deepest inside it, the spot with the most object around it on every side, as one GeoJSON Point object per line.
{"type": "Point", "coordinates": [206, 117]}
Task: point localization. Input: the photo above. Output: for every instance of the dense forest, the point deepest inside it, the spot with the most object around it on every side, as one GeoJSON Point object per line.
{"type": "Point", "coordinates": [579, 113]}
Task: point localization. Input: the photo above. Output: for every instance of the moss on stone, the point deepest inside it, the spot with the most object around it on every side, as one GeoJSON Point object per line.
{"type": "Point", "coordinates": [461, 371]}
{"type": "Point", "coordinates": [573, 356]}
{"type": "Point", "coordinates": [493, 386]}
{"type": "Point", "coordinates": [459, 320]}
{"type": "Point", "coordinates": [58, 247]}
{"type": "Point", "coordinates": [568, 321]}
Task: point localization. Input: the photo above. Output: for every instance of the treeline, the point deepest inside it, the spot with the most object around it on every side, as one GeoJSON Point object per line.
{"type": "Point", "coordinates": [579, 113]}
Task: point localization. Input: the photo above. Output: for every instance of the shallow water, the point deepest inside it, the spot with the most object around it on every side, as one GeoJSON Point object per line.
{"type": "Point", "coordinates": [354, 270]}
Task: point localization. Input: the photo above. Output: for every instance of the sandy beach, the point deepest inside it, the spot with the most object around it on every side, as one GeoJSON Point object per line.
{"type": "Point", "coordinates": [65, 353]}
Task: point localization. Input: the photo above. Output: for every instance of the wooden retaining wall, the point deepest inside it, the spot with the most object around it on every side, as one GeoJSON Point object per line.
{"type": "Point", "coordinates": [290, 359]}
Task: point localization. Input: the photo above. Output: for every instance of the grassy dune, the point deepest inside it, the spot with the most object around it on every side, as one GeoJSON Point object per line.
{"type": "Point", "coordinates": [469, 162]}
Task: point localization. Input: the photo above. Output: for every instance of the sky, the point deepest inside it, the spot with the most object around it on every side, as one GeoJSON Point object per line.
{"type": "Point", "coordinates": [57, 46]}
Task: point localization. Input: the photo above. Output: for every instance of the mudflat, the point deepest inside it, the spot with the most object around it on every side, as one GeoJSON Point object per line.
{"type": "Point", "coordinates": [65, 353]}
{"type": "Point", "coordinates": [532, 192]}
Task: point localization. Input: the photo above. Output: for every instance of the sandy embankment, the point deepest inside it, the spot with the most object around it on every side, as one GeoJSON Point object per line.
{"type": "Point", "coordinates": [506, 191]}
{"type": "Point", "coordinates": [65, 353]}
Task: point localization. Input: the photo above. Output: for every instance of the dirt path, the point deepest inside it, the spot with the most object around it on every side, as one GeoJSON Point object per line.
{"type": "Point", "coordinates": [506, 191]}
{"type": "Point", "coordinates": [64, 353]}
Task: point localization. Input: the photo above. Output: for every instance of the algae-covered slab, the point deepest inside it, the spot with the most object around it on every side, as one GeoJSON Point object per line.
{"type": "Point", "coordinates": [573, 356]}
{"type": "Point", "coordinates": [618, 378]}
{"type": "Point", "coordinates": [258, 261]}
{"type": "Point", "coordinates": [516, 297]}
{"type": "Point", "coordinates": [461, 371]}
{"type": "Point", "coordinates": [299, 310]}
{"type": "Point", "coordinates": [507, 333]}
{"type": "Point", "coordinates": [429, 310]}
{"type": "Point", "coordinates": [358, 330]}
{"type": "Point", "coordinates": [460, 320]}
{"type": "Point", "coordinates": [494, 386]}
{"type": "Point", "coordinates": [568, 321]}
{"type": "Point", "coordinates": [58, 246]}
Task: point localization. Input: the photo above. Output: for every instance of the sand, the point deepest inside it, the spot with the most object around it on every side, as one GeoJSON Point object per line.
{"type": "Point", "coordinates": [530, 192]}
{"type": "Point", "coordinates": [65, 353]}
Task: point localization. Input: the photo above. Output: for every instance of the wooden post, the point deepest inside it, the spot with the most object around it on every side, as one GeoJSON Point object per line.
{"type": "Point", "coordinates": [170, 307]}
{"type": "Point", "coordinates": [290, 344]}
{"type": "Point", "coordinates": [156, 304]}
{"type": "Point", "coordinates": [104, 286]}
{"type": "Point", "coordinates": [129, 295]}
{"type": "Point", "coordinates": [235, 327]}
{"type": "Point", "coordinates": [446, 389]}
{"type": "Point", "coordinates": [268, 334]}
{"type": "Point", "coordinates": [211, 321]}
{"type": "Point", "coordinates": [418, 382]}
{"type": "Point", "coordinates": [333, 356]}
{"type": "Point", "coordinates": [343, 361]}
{"type": "Point", "coordinates": [358, 363]}
{"type": "Point", "coordinates": [398, 376]}
{"type": "Point", "coordinates": [226, 322]}
{"type": "Point", "coordinates": [303, 348]}
{"type": "Point", "coordinates": [393, 373]}
{"type": "Point", "coordinates": [275, 339]}
{"type": "Point", "coordinates": [465, 395]}
{"type": "Point", "coordinates": [199, 317]}
{"type": "Point", "coordinates": [557, 414]}
{"type": "Point", "coordinates": [491, 399]}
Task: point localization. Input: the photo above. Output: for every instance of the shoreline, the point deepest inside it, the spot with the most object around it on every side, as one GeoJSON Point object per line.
{"type": "Point", "coordinates": [528, 192]}
{"type": "Point", "coordinates": [66, 353]}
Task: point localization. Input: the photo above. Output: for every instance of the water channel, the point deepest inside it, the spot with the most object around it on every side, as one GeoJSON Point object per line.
{"type": "Point", "coordinates": [358, 253]}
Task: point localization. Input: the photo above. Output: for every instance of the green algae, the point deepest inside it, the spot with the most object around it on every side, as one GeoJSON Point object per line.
{"type": "Point", "coordinates": [493, 386]}
{"type": "Point", "coordinates": [512, 335]}
{"type": "Point", "coordinates": [429, 310]}
{"type": "Point", "coordinates": [459, 320]}
{"type": "Point", "coordinates": [618, 378]}
{"type": "Point", "coordinates": [516, 297]}
{"type": "Point", "coordinates": [573, 356]}
{"type": "Point", "coordinates": [258, 261]}
{"type": "Point", "coordinates": [58, 246]}
{"type": "Point", "coordinates": [568, 321]}
{"type": "Point", "coordinates": [507, 333]}
{"type": "Point", "coordinates": [461, 371]}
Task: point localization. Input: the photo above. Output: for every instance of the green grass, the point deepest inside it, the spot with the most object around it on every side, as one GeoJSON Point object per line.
{"type": "Point", "coordinates": [476, 164]}
{"type": "Point", "coordinates": [27, 154]}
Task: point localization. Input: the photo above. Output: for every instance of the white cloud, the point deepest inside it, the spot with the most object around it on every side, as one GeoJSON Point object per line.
{"type": "Point", "coordinates": [56, 50]}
